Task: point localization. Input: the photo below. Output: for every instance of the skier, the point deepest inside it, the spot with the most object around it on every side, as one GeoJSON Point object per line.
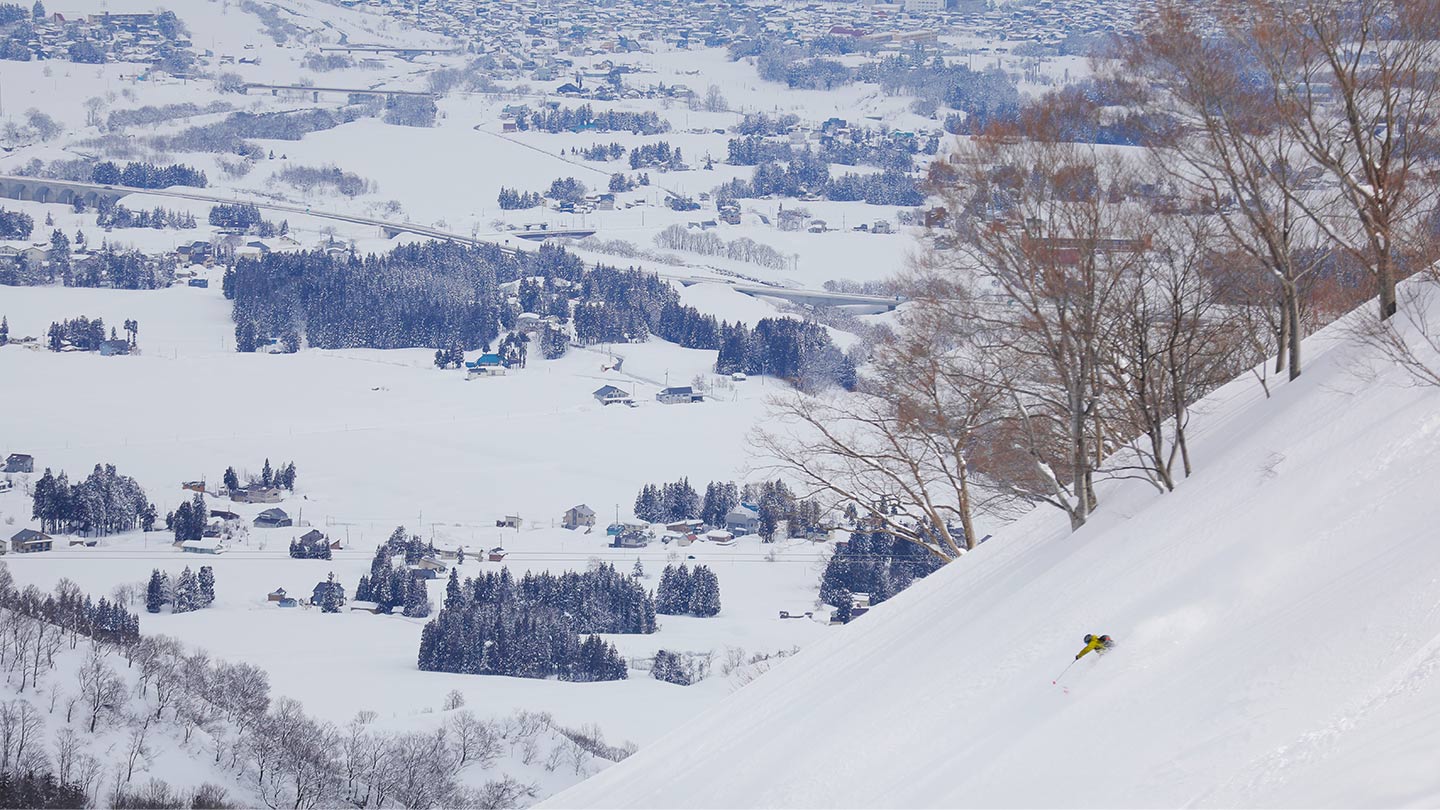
{"type": "Point", "coordinates": [1097, 644]}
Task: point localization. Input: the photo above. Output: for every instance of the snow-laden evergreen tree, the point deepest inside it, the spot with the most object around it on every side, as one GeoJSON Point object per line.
{"type": "Point", "coordinates": [649, 505]}
{"type": "Point", "coordinates": [704, 592]}
{"type": "Point", "coordinates": [187, 592]}
{"type": "Point", "coordinates": [363, 592]}
{"type": "Point", "coordinates": [453, 597]}
{"type": "Point", "coordinates": [267, 475]}
{"type": "Point", "coordinates": [154, 593]}
{"type": "Point", "coordinates": [332, 596]}
{"type": "Point", "coordinates": [232, 480]}
{"type": "Point", "coordinates": [638, 571]}
{"type": "Point", "coordinates": [417, 599]}
{"type": "Point", "coordinates": [206, 579]}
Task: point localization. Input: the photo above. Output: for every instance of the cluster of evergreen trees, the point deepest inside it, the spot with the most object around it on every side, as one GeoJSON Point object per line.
{"type": "Point", "coordinates": [229, 137]}
{"type": "Point", "coordinates": [392, 586]}
{"type": "Point", "coordinates": [805, 172]}
{"type": "Point", "coordinates": [105, 502]}
{"type": "Point", "coordinates": [574, 119]}
{"type": "Point", "coordinates": [873, 563]}
{"type": "Point", "coordinates": [71, 610]}
{"type": "Point", "coordinates": [426, 294]}
{"type": "Point", "coordinates": [317, 549]}
{"type": "Point", "coordinates": [683, 592]}
{"type": "Point", "coordinates": [602, 152]}
{"type": "Point", "coordinates": [983, 96]}
{"type": "Point", "coordinates": [567, 189]}
{"type": "Point", "coordinates": [188, 521]}
{"type": "Point", "coordinates": [659, 153]}
{"type": "Point", "coordinates": [118, 216]}
{"type": "Point", "coordinates": [16, 224]}
{"type": "Point", "coordinates": [668, 502]}
{"type": "Point", "coordinates": [80, 333]}
{"type": "Point", "coordinates": [190, 591]}
{"type": "Point", "coordinates": [671, 668]}
{"type": "Point", "coordinates": [720, 498]}
{"type": "Point", "coordinates": [493, 625]}
{"type": "Point", "coordinates": [148, 175]}
{"type": "Point", "coordinates": [122, 270]}
{"type": "Point", "coordinates": [239, 216]}
{"type": "Point", "coordinates": [512, 199]}
{"type": "Point", "coordinates": [282, 476]}
{"type": "Point", "coordinates": [799, 352]}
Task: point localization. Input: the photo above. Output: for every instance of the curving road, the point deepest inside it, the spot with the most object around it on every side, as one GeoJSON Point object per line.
{"type": "Point", "coordinates": [64, 190]}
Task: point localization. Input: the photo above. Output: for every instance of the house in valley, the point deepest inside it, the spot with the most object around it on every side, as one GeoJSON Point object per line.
{"type": "Point", "coordinates": [577, 516]}
{"type": "Point", "coordinates": [29, 541]}
{"type": "Point", "coordinates": [274, 518]}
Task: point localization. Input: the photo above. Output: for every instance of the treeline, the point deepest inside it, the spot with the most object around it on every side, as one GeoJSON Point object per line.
{"type": "Point", "coordinates": [807, 172]}
{"type": "Point", "coordinates": [239, 216]}
{"type": "Point", "coordinates": [668, 503]}
{"type": "Point", "coordinates": [16, 224]}
{"type": "Point", "coordinates": [567, 119]}
{"type": "Point", "coordinates": [188, 592]}
{"type": "Point", "coordinates": [118, 216]}
{"type": "Point", "coordinates": [512, 199]}
{"type": "Point", "coordinates": [229, 137]}
{"type": "Point", "coordinates": [686, 593]}
{"type": "Point", "coordinates": [599, 600]}
{"type": "Point", "coordinates": [601, 152]}
{"type": "Point", "coordinates": [281, 475]}
{"type": "Point", "coordinates": [68, 609]}
{"type": "Point", "coordinates": [151, 114]}
{"type": "Point", "coordinates": [873, 563]}
{"type": "Point", "coordinates": [531, 629]}
{"type": "Point", "coordinates": [103, 503]}
{"type": "Point", "coordinates": [885, 153]}
{"type": "Point", "coordinates": [148, 175]}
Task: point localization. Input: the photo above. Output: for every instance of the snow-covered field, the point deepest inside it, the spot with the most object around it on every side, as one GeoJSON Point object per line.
{"type": "Point", "coordinates": [382, 439]}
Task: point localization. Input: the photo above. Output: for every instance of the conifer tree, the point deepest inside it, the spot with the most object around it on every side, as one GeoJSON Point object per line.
{"type": "Point", "coordinates": [417, 599]}
{"type": "Point", "coordinates": [187, 592]}
{"type": "Point", "coordinates": [333, 597]}
{"type": "Point", "coordinates": [232, 481]}
{"type": "Point", "coordinates": [206, 579]}
{"type": "Point", "coordinates": [154, 593]}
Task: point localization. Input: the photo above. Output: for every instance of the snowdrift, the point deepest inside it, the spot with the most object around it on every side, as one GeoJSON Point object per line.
{"type": "Point", "coordinates": [1277, 621]}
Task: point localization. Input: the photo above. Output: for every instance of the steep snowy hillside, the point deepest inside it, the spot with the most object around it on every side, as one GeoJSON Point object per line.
{"type": "Point", "coordinates": [1277, 620]}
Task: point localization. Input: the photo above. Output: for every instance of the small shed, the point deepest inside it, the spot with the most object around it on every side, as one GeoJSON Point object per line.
{"type": "Point", "coordinates": [276, 595]}
{"type": "Point", "coordinates": [365, 607]}
{"type": "Point", "coordinates": [497, 554]}
{"type": "Point", "coordinates": [206, 545]}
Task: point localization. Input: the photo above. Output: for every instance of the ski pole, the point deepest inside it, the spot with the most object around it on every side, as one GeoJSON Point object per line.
{"type": "Point", "coordinates": [1063, 671]}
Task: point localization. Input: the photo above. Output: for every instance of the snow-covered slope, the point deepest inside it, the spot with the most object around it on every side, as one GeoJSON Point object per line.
{"type": "Point", "coordinates": [1278, 623]}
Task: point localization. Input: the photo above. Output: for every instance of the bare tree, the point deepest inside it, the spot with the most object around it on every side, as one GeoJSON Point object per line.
{"type": "Point", "coordinates": [1046, 232]}
{"type": "Point", "coordinates": [1357, 86]}
{"type": "Point", "coordinates": [102, 691]}
{"type": "Point", "coordinates": [1225, 145]}
{"type": "Point", "coordinates": [475, 740]}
